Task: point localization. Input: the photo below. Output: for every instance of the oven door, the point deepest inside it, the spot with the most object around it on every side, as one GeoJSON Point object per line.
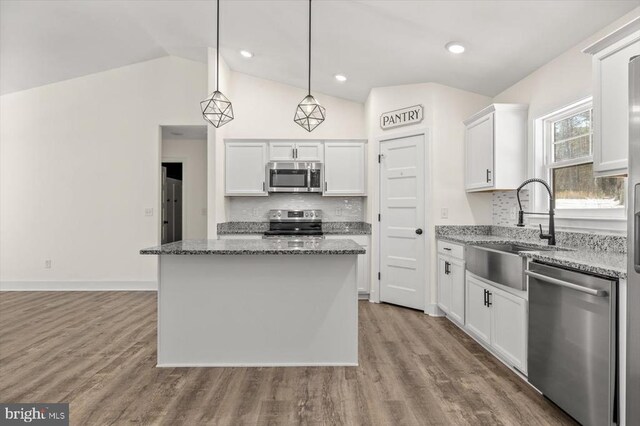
{"type": "Point", "coordinates": [294, 177]}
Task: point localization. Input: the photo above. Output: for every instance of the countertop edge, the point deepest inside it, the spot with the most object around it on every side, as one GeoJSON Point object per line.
{"type": "Point", "coordinates": [541, 256]}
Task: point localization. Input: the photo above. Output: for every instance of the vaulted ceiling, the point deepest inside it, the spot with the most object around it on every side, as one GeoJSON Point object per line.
{"type": "Point", "coordinates": [374, 43]}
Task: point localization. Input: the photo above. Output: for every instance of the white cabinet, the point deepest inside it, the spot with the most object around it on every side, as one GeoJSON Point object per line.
{"type": "Point", "coordinates": [610, 64]}
{"type": "Point", "coordinates": [363, 273]}
{"type": "Point", "coordinates": [295, 151]}
{"type": "Point", "coordinates": [495, 148]}
{"type": "Point", "coordinates": [498, 319]}
{"type": "Point", "coordinates": [245, 168]}
{"type": "Point", "coordinates": [478, 314]}
{"type": "Point", "coordinates": [344, 169]}
{"type": "Point", "coordinates": [509, 328]}
{"type": "Point", "coordinates": [451, 270]}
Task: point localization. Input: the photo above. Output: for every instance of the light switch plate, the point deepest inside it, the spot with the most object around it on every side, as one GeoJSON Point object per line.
{"type": "Point", "coordinates": [444, 213]}
{"type": "Point", "coordinates": [148, 211]}
{"type": "Point", "coordinates": [47, 264]}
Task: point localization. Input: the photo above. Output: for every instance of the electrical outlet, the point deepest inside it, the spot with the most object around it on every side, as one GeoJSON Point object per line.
{"type": "Point", "coordinates": [148, 211]}
{"type": "Point", "coordinates": [47, 264]}
{"type": "Point", "coordinates": [254, 212]}
{"type": "Point", "coordinates": [338, 211]}
{"type": "Point", "coordinates": [444, 213]}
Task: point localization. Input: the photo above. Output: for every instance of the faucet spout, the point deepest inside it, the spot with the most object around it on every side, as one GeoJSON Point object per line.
{"type": "Point", "coordinates": [551, 235]}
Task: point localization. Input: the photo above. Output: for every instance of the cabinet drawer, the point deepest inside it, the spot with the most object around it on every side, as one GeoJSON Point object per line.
{"type": "Point", "coordinates": [451, 249]}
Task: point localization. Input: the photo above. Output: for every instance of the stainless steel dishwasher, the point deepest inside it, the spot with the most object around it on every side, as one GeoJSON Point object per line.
{"type": "Point", "coordinates": [573, 341]}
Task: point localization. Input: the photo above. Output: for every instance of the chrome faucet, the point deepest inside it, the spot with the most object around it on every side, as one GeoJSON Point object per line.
{"type": "Point", "coordinates": [551, 236]}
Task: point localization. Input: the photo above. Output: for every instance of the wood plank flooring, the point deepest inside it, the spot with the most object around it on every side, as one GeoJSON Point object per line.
{"type": "Point", "coordinates": [97, 351]}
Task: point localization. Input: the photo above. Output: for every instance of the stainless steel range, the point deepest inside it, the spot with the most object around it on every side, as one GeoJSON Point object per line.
{"type": "Point", "coordinates": [299, 224]}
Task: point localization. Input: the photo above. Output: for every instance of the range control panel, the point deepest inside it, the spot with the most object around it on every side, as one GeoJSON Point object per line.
{"type": "Point", "coordinates": [295, 215]}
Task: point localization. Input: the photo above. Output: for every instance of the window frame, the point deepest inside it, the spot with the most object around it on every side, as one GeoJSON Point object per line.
{"type": "Point", "coordinates": [602, 219]}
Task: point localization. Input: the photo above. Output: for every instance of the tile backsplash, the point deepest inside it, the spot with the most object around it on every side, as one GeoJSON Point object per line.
{"type": "Point", "coordinates": [505, 207]}
{"type": "Point", "coordinates": [335, 209]}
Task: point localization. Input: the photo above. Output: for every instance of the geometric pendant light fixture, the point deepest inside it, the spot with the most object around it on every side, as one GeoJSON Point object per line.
{"type": "Point", "coordinates": [217, 109]}
{"type": "Point", "coordinates": [309, 113]}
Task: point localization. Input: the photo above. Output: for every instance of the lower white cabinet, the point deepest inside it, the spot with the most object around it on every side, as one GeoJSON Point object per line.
{"type": "Point", "coordinates": [498, 319]}
{"type": "Point", "coordinates": [451, 287]}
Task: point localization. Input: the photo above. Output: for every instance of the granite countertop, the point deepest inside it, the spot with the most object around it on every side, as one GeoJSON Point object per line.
{"type": "Point", "coordinates": [609, 264]}
{"type": "Point", "coordinates": [329, 228]}
{"type": "Point", "coordinates": [257, 247]}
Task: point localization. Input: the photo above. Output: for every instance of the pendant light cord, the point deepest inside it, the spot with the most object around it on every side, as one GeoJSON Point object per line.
{"type": "Point", "coordinates": [309, 80]}
{"type": "Point", "coordinates": [218, 42]}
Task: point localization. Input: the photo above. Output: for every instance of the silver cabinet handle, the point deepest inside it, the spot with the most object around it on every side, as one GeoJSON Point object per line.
{"type": "Point", "coordinates": [591, 291]}
{"type": "Point", "coordinates": [488, 175]}
{"type": "Point", "coordinates": [325, 186]}
{"type": "Point", "coordinates": [264, 187]}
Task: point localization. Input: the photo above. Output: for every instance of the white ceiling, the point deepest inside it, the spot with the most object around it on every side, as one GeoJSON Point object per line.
{"type": "Point", "coordinates": [375, 43]}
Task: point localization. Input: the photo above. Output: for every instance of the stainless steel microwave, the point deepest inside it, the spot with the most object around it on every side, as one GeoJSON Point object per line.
{"type": "Point", "coordinates": [294, 176]}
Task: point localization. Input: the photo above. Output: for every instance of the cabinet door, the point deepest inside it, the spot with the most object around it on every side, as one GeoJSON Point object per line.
{"type": "Point", "coordinates": [281, 151]}
{"type": "Point", "coordinates": [245, 168]}
{"type": "Point", "coordinates": [363, 272]}
{"type": "Point", "coordinates": [456, 277]}
{"type": "Point", "coordinates": [308, 151]}
{"type": "Point", "coordinates": [479, 153]}
{"type": "Point", "coordinates": [344, 168]}
{"type": "Point", "coordinates": [444, 284]}
{"type": "Point", "coordinates": [509, 328]}
{"type": "Point", "coordinates": [478, 315]}
{"type": "Point", "coordinates": [611, 107]}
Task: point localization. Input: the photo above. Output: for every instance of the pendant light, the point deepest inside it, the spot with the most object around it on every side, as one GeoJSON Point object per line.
{"type": "Point", "coordinates": [309, 113]}
{"type": "Point", "coordinates": [217, 109]}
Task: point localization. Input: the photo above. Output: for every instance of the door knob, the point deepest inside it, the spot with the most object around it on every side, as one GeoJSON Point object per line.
{"type": "Point", "coordinates": [419, 231]}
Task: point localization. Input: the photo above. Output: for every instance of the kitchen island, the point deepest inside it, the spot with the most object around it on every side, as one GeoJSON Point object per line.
{"type": "Point", "coordinates": [257, 303]}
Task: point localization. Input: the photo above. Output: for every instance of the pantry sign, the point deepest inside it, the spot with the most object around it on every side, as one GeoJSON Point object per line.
{"type": "Point", "coordinates": [402, 117]}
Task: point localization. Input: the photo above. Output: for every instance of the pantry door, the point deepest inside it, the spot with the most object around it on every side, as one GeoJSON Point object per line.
{"type": "Point", "coordinates": [402, 221]}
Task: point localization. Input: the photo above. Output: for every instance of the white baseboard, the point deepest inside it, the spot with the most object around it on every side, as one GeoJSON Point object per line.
{"type": "Point", "coordinates": [78, 286]}
{"type": "Point", "coordinates": [433, 310]}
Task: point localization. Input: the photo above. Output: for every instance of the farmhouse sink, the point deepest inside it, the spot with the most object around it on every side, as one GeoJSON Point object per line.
{"type": "Point", "coordinates": [500, 263]}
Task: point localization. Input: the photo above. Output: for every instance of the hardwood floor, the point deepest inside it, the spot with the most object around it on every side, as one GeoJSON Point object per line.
{"type": "Point", "coordinates": [97, 351]}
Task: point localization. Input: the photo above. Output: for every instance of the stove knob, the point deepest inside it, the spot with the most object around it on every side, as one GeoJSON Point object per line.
{"type": "Point", "coordinates": [279, 214]}
{"type": "Point", "coordinates": [306, 215]}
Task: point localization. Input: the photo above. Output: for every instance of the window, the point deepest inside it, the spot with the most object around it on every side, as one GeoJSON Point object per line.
{"type": "Point", "coordinates": [568, 144]}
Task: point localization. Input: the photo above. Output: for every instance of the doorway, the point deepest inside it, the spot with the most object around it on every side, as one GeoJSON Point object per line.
{"type": "Point", "coordinates": [402, 221]}
{"type": "Point", "coordinates": [183, 183]}
{"type": "Point", "coordinates": [172, 202]}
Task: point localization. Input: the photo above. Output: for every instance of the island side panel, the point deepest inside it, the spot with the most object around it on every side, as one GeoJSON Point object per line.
{"type": "Point", "coordinates": [257, 310]}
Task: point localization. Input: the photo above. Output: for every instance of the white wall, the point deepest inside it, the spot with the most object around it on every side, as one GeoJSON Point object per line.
{"type": "Point", "coordinates": [444, 110]}
{"type": "Point", "coordinates": [264, 109]}
{"type": "Point", "coordinates": [193, 155]}
{"type": "Point", "coordinates": [560, 82]}
{"type": "Point", "coordinates": [79, 164]}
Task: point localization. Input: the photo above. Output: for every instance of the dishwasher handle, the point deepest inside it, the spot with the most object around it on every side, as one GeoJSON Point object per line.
{"type": "Point", "coordinates": [547, 279]}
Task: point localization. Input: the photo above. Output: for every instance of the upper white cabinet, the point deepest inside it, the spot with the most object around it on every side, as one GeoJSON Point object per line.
{"type": "Point", "coordinates": [495, 148]}
{"type": "Point", "coordinates": [610, 63]}
{"type": "Point", "coordinates": [295, 151]}
{"type": "Point", "coordinates": [344, 169]}
{"type": "Point", "coordinates": [245, 171]}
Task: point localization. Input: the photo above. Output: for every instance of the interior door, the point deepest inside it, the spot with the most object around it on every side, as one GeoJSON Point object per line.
{"type": "Point", "coordinates": [402, 237]}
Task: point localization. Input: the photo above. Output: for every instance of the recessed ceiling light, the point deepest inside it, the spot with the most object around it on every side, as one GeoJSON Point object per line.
{"type": "Point", "coordinates": [455, 47]}
{"type": "Point", "coordinates": [341, 78]}
{"type": "Point", "coordinates": [246, 54]}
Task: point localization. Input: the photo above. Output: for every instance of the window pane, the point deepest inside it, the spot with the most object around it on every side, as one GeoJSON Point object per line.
{"type": "Point", "coordinates": [573, 148]}
{"type": "Point", "coordinates": [572, 137]}
{"type": "Point", "coordinates": [575, 187]}
{"type": "Point", "coordinates": [576, 125]}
